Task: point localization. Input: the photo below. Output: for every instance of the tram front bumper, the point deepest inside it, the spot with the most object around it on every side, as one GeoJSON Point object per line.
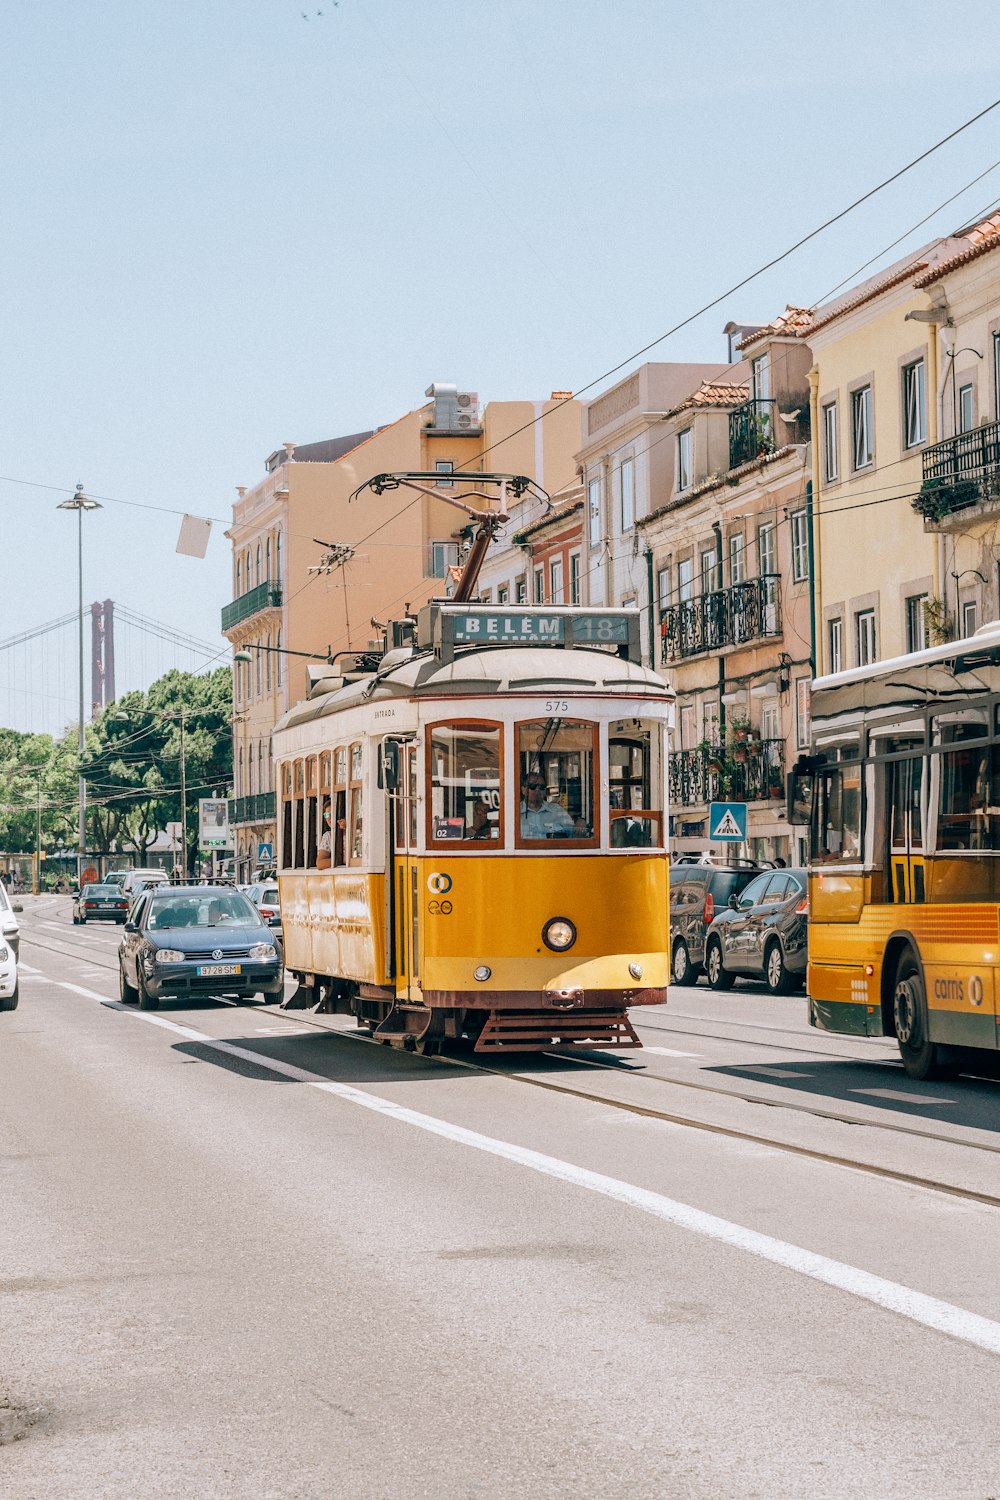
{"type": "Point", "coordinates": [549, 981]}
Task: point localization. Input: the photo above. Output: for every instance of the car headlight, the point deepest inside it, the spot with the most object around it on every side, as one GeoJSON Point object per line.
{"type": "Point", "coordinates": [4, 953]}
{"type": "Point", "coordinates": [263, 950]}
{"type": "Point", "coordinates": [559, 934]}
{"type": "Point", "coordinates": [170, 956]}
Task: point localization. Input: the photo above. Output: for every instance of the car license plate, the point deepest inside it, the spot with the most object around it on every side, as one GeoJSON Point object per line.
{"type": "Point", "coordinates": [215, 971]}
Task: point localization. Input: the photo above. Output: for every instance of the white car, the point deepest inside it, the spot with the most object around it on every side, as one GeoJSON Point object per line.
{"type": "Point", "coordinates": [10, 929]}
{"type": "Point", "coordinates": [8, 977]}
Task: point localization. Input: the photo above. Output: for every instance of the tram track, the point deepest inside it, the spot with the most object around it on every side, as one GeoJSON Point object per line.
{"type": "Point", "coordinates": [673, 1117]}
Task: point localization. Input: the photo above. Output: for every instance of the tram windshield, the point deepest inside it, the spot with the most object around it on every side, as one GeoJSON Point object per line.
{"type": "Point", "coordinates": [465, 784]}
{"type": "Point", "coordinates": [557, 761]}
{"type": "Point", "coordinates": [635, 784]}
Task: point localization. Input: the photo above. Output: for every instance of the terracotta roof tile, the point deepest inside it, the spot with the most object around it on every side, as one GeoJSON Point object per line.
{"type": "Point", "coordinates": [713, 393]}
{"type": "Point", "coordinates": [794, 322]}
{"type": "Point", "coordinates": [982, 238]}
{"type": "Point", "coordinates": [868, 294]}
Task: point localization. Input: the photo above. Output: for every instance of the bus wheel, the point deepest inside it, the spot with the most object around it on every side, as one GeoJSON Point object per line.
{"type": "Point", "coordinates": [921, 1058]}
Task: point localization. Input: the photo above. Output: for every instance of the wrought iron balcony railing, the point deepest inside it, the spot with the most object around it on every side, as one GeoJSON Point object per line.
{"type": "Point", "coordinates": [265, 596]}
{"type": "Point", "coordinates": [961, 471]}
{"type": "Point", "coordinates": [701, 776]}
{"type": "Point", "coordinates": [259, 808]}
{"type": "Point", "coordinates": [751, 431]}
{"type": "Point", "coordinates": [744, 612]}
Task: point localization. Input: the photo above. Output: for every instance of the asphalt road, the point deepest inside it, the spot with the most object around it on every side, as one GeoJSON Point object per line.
{"type": "Point", "coordinates": [246, 1253]}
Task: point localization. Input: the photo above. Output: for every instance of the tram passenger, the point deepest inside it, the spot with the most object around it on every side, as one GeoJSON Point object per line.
{"type": "Point", "coordinates": [541, 819]}
{"type": "Point", "coordinates": [481, 828]}
{"type": "Point", "coordinates": [324, 857]}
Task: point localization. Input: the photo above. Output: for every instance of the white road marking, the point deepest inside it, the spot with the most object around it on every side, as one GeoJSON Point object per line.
{"type": "Point", "coordinates": [901, 1094]}
{"type": "Point", "coordinates": [917, 1307]}
{"type": "Point", "coordinates": [666, 1052]}
{"type": "Point", "coordinates": [26, 968]}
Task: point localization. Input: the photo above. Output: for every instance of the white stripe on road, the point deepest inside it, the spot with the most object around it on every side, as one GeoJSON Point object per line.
{"type": "Point", "coordinates": [667, 1052]}
{"type": "Point", "coordinates": [930, 1312]}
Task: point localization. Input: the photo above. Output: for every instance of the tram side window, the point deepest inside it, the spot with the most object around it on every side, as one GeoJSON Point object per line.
{"type": "Point", "coordinates": [286, 817]}
{"type": "Point", "coordinates": [557, 759]}
{"type": "Point", "coordinates": [357, 807]}
{"type": "Point", "coordinates": [298, 819]}
{"type": "Point", "coordinates": [968, 791]}
{"type": "Point", "coordinates": [465, 783]}
{"type": "Point", "coordinates": [311, 813]}
{"type": "Point", "coordinates": [635, 789]}
{"type": "Point", "coordinates": [837, 810]}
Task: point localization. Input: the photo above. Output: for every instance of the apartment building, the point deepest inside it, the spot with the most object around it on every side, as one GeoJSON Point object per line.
{"type": "Point", "coordinates": [394, 551]}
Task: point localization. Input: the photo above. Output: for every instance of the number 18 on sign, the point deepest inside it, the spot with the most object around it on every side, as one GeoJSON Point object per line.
{"type": "Point", "coordinates": [727, 822]}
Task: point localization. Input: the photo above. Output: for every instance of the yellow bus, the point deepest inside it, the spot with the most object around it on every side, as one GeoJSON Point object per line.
{"type": "Point", "coordinates": [472, 830]}
{"type": "Point", "coordinates": [902, 792]}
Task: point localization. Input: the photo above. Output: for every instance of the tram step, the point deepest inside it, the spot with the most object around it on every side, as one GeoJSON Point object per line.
{"type": "Point", "coordinates": [531, 1030]}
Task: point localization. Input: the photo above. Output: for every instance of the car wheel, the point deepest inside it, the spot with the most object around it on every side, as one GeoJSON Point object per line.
{"type": "Point", "coordinates": [128, 992]}
{"type": "Point", "coordinates": [719, 977]}
{"type": "Point", "coordinates": [779, 981]}
{"type": "Point", "coordinates": [9, 1002]}
{"type": "Point", "coordinates": [146, 1000]}
{"type": "Point", "coordinates": [682, 968]}
{"type": "Point", "coordinates": [921, 1057]}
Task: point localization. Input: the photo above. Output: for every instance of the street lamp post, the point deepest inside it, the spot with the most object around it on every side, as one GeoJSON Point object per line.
{"type": "Point", "coordinates": [81, 502]}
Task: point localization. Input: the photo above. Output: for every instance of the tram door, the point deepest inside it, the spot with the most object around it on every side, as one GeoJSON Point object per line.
{"type": "Point", "coordinates": [905, 781]}
{"type": "Point", "coordinates": [406, 875]}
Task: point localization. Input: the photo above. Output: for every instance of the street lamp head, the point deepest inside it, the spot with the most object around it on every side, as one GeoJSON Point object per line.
{"type": "Point", "coordinates": [80, 501]}
{"type": "Point", "coordinates": [243, 656]}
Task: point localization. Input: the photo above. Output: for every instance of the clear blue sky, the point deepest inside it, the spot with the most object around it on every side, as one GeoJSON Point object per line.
{"type": "Point", "coordinates": [227, 226]}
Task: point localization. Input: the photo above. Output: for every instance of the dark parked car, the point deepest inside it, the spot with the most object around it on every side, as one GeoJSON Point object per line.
{"type": "Point", "coordinates": [199, 940]}
{"type": "Point", "coordinates": [104, 903]}
{"type": "Point", "coordinates": [697, 892]}
{"type": "Point", "coordinates": [761, 934]}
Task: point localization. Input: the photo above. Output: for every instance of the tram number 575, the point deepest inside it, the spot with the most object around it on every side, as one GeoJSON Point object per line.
{"type": "Point", "coordinates": [556, 706]}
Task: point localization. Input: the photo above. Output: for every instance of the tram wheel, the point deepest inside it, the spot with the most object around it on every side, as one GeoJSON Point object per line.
{"type": "Point", "coordinates": [922, 1058]}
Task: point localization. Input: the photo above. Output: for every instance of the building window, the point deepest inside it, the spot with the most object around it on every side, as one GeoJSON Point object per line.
{"type": "Point", "coordinates": [503, 594]}
{"type": "Point", "coordinates": [861, 427]}
{"type": "Point", "coordinates": [556, 581]}
{"type": "Point", "coordinates": [267, 663]}
{"type": "Point", "coordinates": [688, 731]}
{"type": "Point", "coordinates": [914, 404]}
{"type": "Point", "coordinates": [539, 582]}
{"type": "Point", "coordinates": [709, 572]}
{"type": "Point", "coordinates": [737, 560]}
{"type": "Point", "coordinates": [574, 578]}
{"type": "Point", "coordinates": [916, 623]}
{"type": "Point", "coordinates": [802, 713]}
{"type": "Point", "coordinates": [521, 590]}
{"type": "Point", "coordinates": [250, 769]}
{"type": "Point", "coordinates": [444, 466]}
{"type": "Point", "coordinates": [800, 546]}
{"type": "Point", "coordinates": [761, 372]}
{"type": "Point", "coordinates": [864, 637]}
{"type": "Point", "coordinates": [594, 500]}
{"type": "Point", "coordinates": [240, 783]}
{"type": "Point", "coordinates": [710, 720]}
{"type": "Point", "coordinates": [627, 473]}
{"type": "Point", "coordinates": [267, 560]}
{"type": "Point", "coordinates": [836, 633]}
{"type": "Point", "coordinates": [441, 557]}
{"type": "Point", "coordinates": [663, 588]}
{"type": "Point", "coordinates": [277, 660]}
{"type": "Point", "coordinates": [830, 457]}
{"type": "Point", "coordinates": [767, 554]}
{"type": "Point", "coordinates": [996, 372]}
{"type": "Point", "coordinates": [239, 578]}
{"type": "Point", "coordinates": [249, 570]}
{"type": "Point", "coordinates": [970, 617]}
{"type": "Point", "coordinates": [685, 580]}
{"type": "Point", "coordinates": [277, 558]}
{"type": "Point", "coordinates": [260, 668]}
{"type": "Point", "coordinates": [684, 459]}
{"type": "Point", "coordinates": [258, 563]}
{"type": "Point", "coordinates": [966, 420]}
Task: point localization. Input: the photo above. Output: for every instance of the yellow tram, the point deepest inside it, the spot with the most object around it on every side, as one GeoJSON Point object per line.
{"type": "Point", "coordinates": [490, 795]}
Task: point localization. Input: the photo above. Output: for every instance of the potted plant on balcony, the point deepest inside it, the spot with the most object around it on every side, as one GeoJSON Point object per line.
{"type": "Point", "coordinates": [937, 620]}
{"type": "Point", "coordinates": [739, 728]}
{"type": "Point", "coordinates": [775, 783]}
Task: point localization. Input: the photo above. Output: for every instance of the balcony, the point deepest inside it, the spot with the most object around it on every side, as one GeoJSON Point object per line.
{"type": "Point", "coordinates": [751, 431]}
{"type": "Point", "coordinates": [265, 596]}
{"type": "Point", "coordinates": [960, 473]}
{"type": "Point", "coordinates": [744, 612]}
{"type": "Point", "coordinates": [759, 778]}
{"type": "Point", "coordinates": [257, 809]}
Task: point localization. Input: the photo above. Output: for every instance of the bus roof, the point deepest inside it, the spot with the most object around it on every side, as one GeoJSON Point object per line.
{"type": "Point", "coordinates": [985, 641]}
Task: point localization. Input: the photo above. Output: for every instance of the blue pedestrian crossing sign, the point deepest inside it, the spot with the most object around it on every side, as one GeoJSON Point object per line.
{"type": "Point", "coordinates": [727, 822]}
{"type": "Point", "coordinates": [265, 854]}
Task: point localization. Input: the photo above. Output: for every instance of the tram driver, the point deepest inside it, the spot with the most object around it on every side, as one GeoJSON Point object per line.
{"type": "Point", "coordinates": [540, 818]}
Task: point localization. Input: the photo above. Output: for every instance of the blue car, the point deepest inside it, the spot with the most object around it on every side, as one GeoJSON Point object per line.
{"type": "Point", "coordinates": [204, 941]}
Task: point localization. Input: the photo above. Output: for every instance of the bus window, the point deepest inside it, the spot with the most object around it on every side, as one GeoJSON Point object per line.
{"type": "Point", "coordinates": [837, 810]}
{"type": "Point", "coordinates": [557, 764]}
{"type": "Point", "coordinates": [465, 785]}
{"type": "Point", "coordinates": [635, 784]}
{"type": "Point", "coordinates": [968, 800]}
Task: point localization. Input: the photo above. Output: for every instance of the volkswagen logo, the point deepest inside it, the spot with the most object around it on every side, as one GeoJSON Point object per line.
{"type": "Point", "coordinates": [216, 952]}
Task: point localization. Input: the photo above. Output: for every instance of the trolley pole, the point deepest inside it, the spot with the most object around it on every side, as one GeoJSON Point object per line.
{"type": "Point", "coordinates": [184, 808]}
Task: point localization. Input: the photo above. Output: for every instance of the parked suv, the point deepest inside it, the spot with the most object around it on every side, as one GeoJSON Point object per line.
{"type": "Point", "coordinates": [762, 934]}
{"type": "Point", "coordinates": [697, 891]}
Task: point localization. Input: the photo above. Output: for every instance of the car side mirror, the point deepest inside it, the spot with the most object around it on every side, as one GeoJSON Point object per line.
{"type": "Point", "coordinates": [130, 927]}
{"type": "Point", "coordinates": [734, 902]}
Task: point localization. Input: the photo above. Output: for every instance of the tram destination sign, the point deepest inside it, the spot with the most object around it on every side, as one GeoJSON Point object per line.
{"type": "Point", "coordinates": [486, 625]}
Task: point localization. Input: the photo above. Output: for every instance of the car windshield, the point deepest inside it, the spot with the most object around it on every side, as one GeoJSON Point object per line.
{"type": "Point", "coordinates": [270, 897]}
{"type": "Point", "coordinates": [101, 890]}
{"type": "Point", "coordinates": [220, 909]}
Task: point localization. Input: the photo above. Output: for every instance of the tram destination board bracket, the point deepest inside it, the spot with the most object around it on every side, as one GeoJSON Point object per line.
{"type": "Point", "coordinates": [445, 628]}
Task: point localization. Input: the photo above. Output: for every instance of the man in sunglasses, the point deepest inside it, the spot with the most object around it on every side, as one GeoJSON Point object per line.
{"type": "Point", "coordinates": [541, 819]}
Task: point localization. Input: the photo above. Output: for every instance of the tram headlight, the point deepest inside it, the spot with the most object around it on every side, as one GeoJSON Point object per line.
{"type": "Point", "coordinates": [559, 934]}
{"type": "Point", "coordinates": [635, 970]}
{"type": "Point", "coordinates": [482, 973]}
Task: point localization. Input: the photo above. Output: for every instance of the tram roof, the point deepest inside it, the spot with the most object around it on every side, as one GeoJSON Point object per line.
{"type": "Point", "coordinates": [942, 674]}
{"type": "Point", "coordinates": [486, 673]}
